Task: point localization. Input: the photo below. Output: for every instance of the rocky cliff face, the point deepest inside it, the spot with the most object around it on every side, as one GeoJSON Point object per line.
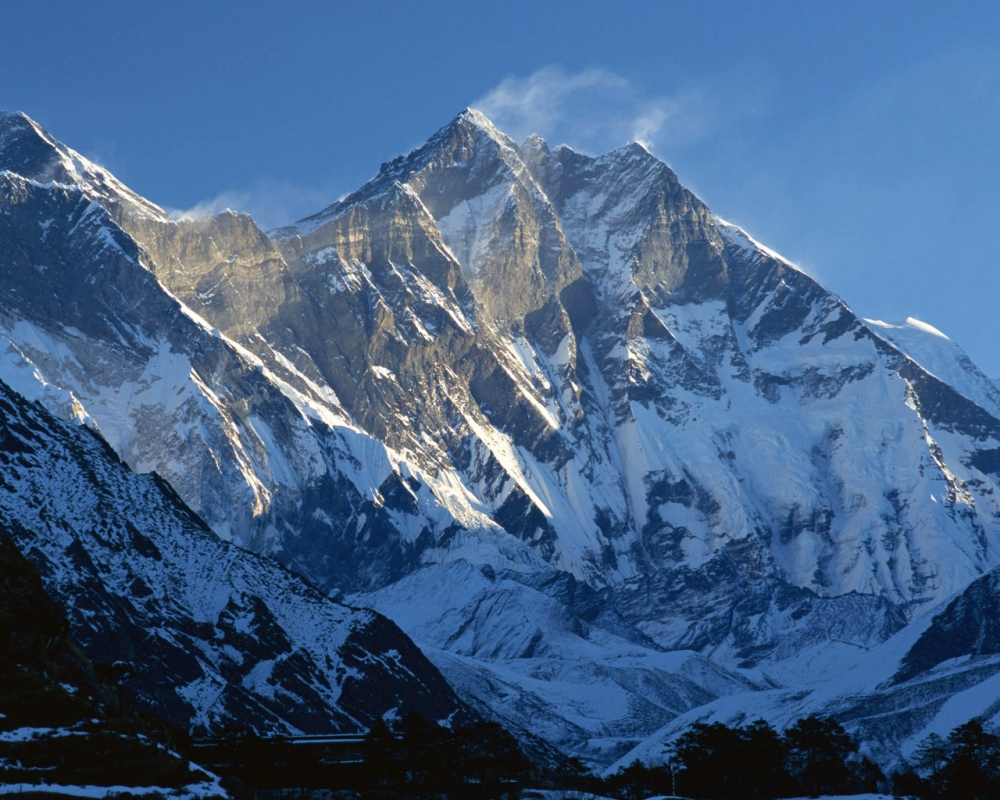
{"type": "Point", "coordinates": [529, 363]}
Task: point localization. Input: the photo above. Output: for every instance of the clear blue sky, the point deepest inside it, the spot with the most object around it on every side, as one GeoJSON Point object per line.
{"type": "Point", "coordinates": [860, 139]}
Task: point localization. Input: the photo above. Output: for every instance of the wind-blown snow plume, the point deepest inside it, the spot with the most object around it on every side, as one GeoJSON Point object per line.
{"type": "Point", "coordinates": [271, 203]}
{"type": "Point", "coordinates": [595, 109]}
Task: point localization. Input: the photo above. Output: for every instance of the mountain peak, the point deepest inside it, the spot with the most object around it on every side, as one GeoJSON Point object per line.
{"type": "Point", "coordinates": [469, 137]}
{"type": "Point", "coordinates": [474, 116]}
{"type": "Point", "coordinates": [25, 147]}
{"type": "Point", "coordinates": [472, 123]}
{"type": "Point", "coordinates": [534, 147]}
{"type": "Point", "coordinates": [633, 152]}
{"type": "Point", "coordinates": [30, 151]}
{"type": "Point", "coordinates": [16, 117]}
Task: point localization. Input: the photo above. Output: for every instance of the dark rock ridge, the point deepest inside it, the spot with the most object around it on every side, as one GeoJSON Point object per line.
{"type": "Point", "coordinates": [890, 695]}
{"type": "Point", "coordinates": [968, 627]}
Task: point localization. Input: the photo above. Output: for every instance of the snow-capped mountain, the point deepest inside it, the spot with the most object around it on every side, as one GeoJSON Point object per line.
{"type": "Point", "coordinates": [577, 436]}
{"type": "Point", "coordinates": [648, 434]}
{"type": "Point", "coordinates": [263, 454]}
{"type": "Point", "coordinates": [941, 357]}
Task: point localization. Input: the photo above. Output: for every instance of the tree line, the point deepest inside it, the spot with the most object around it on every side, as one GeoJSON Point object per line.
{"type": "Point", "coordinates": [964, 764]}
{"type": "Point", "coordinates": [424, 759]}
{"type": "Point", "coordinates": [813, 757]}
{"type": "Point", "coordinates": [412, 759]}
{"type": "Point", "coordinates": [710, 761]}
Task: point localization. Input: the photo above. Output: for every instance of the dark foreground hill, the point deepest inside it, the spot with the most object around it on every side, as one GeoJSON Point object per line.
{"type": "Point", "coordinates": [63, 721]}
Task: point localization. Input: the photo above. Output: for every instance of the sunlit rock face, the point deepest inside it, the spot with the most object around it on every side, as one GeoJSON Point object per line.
{"type": "Point", "coordinates": [528, 362]}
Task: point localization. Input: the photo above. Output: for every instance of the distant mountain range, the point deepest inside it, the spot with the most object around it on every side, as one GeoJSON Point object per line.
{"type": "Point", "coordinates": [611, 465]}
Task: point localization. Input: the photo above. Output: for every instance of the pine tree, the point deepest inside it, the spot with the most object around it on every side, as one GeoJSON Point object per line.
{"type": "Point", "coordinates": [972, 770]}
{"type": "Point", "coordinates": [818, 751]}
{"type": "Point", "coordinates": [931, 754]}
{"type": "Point", "coordinates": [762, 765]}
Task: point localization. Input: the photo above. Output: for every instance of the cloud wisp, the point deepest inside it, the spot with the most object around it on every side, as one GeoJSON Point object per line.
{"type": "Point", "coordinates": [270, 203]}
{"type": "Point", "coordinates": [595, 110]}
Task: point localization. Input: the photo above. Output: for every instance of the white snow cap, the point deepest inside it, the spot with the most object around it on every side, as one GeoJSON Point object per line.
{"type": "Point", "coordinates": [477, 117]}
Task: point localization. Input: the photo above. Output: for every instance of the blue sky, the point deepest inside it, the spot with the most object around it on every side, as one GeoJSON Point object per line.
{"type": "Point", "coordinates": [859, 139]}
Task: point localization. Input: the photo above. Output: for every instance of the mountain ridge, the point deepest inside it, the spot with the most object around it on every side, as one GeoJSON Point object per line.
{"type": "Point", "coordinates": [546, 365]}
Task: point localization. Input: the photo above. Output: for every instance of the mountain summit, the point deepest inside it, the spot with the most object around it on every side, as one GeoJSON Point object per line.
{"type": "Point", "coordinates": [576, 435]}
